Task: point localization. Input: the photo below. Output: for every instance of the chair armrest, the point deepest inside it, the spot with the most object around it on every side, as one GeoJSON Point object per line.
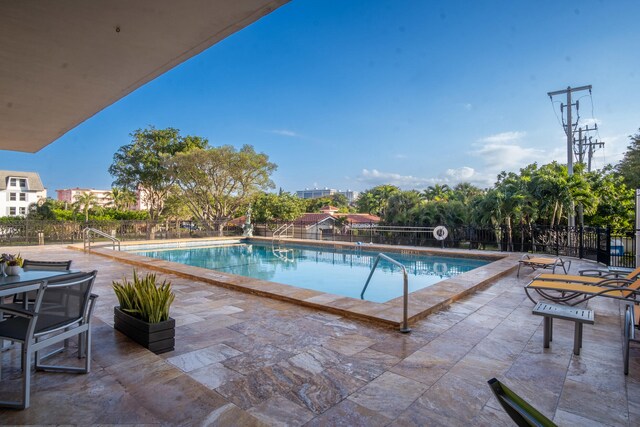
{"type": "Point", "coordinates": [16, 311]}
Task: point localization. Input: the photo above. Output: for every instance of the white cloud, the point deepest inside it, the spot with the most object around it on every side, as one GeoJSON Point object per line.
{"type": "Point", "coordinates": [503, 137]}
{"type": "Point", "coordinates": [461, 174]}
{"type": "Point", "coordinates": [400, 156]}
{"type": "Point", "coordinates": [467, 106]}
{"type": "Point", "coordinates": [373, 177]}
{"type": "Point", "coordinates": [285, 132]}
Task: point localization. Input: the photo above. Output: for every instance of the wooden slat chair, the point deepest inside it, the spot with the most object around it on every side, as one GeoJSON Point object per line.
{"type": "Point", "coordinates": [521, 412]}
{"type": "Point", "coordinates": [588, 280]}
{"type": "Point", "coordinates": [575, 293]}
{"type": "Point", "coordinates": [543, 263]}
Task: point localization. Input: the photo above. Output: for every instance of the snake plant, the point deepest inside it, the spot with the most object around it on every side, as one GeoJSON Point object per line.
{"type": "Point", "coordinates": [144, 297]}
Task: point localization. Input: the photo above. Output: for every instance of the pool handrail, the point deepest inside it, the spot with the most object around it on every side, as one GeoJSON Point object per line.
{"type": "Point", "coordinates": [86, 233]}
{"type": "Point", "coordinates": [405, 322]}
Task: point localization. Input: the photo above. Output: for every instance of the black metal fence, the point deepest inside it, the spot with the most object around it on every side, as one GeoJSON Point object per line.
{"type": "Point", "coordinates": [616, 249]}
{"type": "Point", "coordinates": [599, 244]}
{"type": "Point", "coordinates": [28, 232]}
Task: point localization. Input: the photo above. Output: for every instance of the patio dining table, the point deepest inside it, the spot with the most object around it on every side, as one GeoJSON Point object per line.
{"type": "Point", "coordinates": [27, 281]}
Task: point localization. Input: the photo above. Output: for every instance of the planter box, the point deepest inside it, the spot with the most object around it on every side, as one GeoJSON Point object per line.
{"type": "Point", "coordinates": [157, 337]}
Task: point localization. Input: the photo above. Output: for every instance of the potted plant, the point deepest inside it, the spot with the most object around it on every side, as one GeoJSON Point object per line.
{"type": "Point", "coordinates": [12, 264]}
{"type": "Point", "coordinates": [143, 314]}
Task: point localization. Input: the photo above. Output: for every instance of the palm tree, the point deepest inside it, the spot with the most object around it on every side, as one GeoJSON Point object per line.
{"type": "Point", "coordinates": [437, 192]}
{"type": "Point", "coordinates": [123, 199]}
{"type": "Point", "coordinates": [84, 202]}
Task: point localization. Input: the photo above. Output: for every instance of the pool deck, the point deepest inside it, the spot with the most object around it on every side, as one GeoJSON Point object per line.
{"type": "Point", "coordinates": [243, 359]}
{"type": "Point", "coordinates": [421, 302]}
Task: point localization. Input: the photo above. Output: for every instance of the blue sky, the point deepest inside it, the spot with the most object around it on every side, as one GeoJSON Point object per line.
{"type": "Point", "coordinates": [352, 94]}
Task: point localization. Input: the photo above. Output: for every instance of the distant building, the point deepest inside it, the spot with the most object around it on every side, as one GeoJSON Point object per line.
{"type": "Point", "coordinates": [312, 225]}
{"type": "Point", "coordinates": [315, 193]}
{"type": "Point", "coordinates": [103, 197]}
{"type": "Point", "coordinates": [18, 190]}
{"type": "Point", "coordinates": [141, 199]}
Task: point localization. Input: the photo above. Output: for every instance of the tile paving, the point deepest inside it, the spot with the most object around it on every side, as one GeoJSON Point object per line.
{"type": "Point", "coordinates": [243, 359]}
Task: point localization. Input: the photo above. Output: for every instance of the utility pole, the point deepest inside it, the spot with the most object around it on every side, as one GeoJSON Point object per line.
{"type": "Point", "coordinates": [592, 146]}
{"type": "Point", "coordinates": [582, 147]}
{"type": "Point", "coordinates": [569, 129]}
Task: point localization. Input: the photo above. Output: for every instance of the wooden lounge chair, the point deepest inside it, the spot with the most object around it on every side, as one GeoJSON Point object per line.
{"type": "Point", "coordinates": [543, 263]}
{"type": "Point", "coordinates": [521, 412]}
{"type": "Point", "coordinates": [571, 293]}
{"type": "Point", "coordinates": [588, 280]}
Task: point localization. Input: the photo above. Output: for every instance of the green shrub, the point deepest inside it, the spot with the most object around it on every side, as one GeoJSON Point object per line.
{"type": "Point", "coordinates": [144, 298]}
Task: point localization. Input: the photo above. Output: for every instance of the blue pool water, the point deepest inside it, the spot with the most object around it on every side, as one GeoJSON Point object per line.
{"type": "Point", "coordinates": [334, 271]}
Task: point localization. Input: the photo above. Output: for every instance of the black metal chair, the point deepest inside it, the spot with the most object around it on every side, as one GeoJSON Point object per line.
{"type": "Point", "coordinates": [523, 414]}
{"type": "Point", "coordinates": [30, 264]}
{"type": "Point", "coordinates": [61, 310]}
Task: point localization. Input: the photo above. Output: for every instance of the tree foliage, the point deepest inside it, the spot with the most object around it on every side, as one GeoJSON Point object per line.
{"type": "Point", "coordinates": [277, 207]}
{"type": "Point", "coordinates": [629, 166]}
{"type": "Point", "coordinates": [219, 182]}
{"type": "Point", "coordinates": [141, 164]}
{"type": "Point", "coordinates": [535, 195]}
{"type": "Point", "coordinates": [376, 200]}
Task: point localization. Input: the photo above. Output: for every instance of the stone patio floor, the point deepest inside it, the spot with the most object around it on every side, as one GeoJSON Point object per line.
{"type": "Point", "coordinates": [246, 360]}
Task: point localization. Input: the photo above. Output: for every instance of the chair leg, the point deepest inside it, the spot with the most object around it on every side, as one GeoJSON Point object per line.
{"type": "Point", "coordinates": [87, 350]}
{"type": "Point", "coordinates": [26, 375]}
{"type": "Point", "coordinates": [628, 324]}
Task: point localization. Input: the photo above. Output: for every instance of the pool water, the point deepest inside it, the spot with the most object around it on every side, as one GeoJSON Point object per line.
{"type": "Point", "coordinates": [334, 271]}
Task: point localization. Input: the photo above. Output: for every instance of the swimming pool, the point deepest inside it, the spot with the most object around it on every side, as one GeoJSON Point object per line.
{"type": "Point", "coordinates": [335, 271]}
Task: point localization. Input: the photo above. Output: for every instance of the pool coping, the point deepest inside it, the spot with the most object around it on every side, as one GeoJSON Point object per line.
{"type": "Point", "coordinates": [422, 302]}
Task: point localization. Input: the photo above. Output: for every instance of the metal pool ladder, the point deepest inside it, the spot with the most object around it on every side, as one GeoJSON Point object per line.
{"type": "Point", "coordinates": [86, 233]}
{"type": "Point", "coordinates": [405, 322]}
{"type": "Point", "coordinates": [282, 231]}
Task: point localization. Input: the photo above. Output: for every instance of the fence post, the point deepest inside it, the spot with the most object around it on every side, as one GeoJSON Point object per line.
{"type": "Point", "coordinates": [581, 243]}
{"type": "Point", "coordinates": [608, 246]}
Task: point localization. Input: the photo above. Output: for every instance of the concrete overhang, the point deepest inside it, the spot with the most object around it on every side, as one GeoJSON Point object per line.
{"type": "Point", "coordinates": [63, 61]}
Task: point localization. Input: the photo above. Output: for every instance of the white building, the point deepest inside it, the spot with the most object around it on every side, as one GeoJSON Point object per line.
{"type": "Point", "coordinates": [315, 193]}
{"type": "Point", "coordinates": [18, 190]}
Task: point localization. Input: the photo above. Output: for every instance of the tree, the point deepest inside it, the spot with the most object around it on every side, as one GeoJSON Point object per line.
{"type": "Point", "coordinates": [140, 165]}
{"type": "Point", "coordinates": [401, 208]}
{"type": "Point", "coordinates": [614, 202]}
{"type": "Point", "coordinates": [284, 207]}
{"type": "Point", "coordinates": [437, 193]}
{"type": "Point", "coordinates": [84, 202]}
{"type": "Point", "coordinates": [219, 182]}
{"type": "Point", "coordinates": [123, 199]}
{"type": "Point", "coordinates": [629, 166]}
{"type": "Point", "coordinates": [375, 200]}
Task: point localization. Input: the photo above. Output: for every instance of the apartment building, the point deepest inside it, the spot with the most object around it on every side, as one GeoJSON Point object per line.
{"type": "Point", "coordinates": [103, 197]}
{"type": "Point", "coordinates": [18, 190]}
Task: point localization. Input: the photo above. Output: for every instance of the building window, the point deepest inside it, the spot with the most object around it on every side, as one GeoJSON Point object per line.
{"type": "Point", "coordinates": [13, 182]}
{"type": "Point", "coordinates": [23, 182]}
{"type": "Point", "coordinates": [23, 211]}
{"type": "Point", "coordinates": [12, 197]}
{"type": "Point", "coordinates": [23, 197]}
{"type": "Point", "coordinates": [12, 210]}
